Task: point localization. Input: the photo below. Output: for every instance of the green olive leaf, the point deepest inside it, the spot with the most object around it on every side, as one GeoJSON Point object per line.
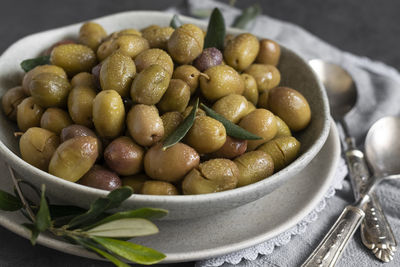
{"type": "Point", "coordinates": [175, 22]}
{"type": "Point", "coordinates": [128, 227]}
{"type": "Point", "coordinates": [104, 254]}
{"type": "Point", "coordinates": [232, 129]}
{"type": "Point", "coordinates": [130, 251]}
{"type": "Point", "coordinates": [58, 211]}
{"type": "Point", "coordinates": [118, 196]}
{"type": "Point", "coordinates": [247, 16]}
{"type": "Point", "coordinates": [43, 221]}
{"type": "Point", "coordinates": [9, 202]}
{"type": "Point", "coordinates": [182, 129]}
{"type": "Point", "coordinates": [145, 213]}
{"type": "Point", "coordinates": [34, 232]}
{"type": "Point", "coordinates": [31, 63]}
{"type": "Point", "coordinates": [215, 36]}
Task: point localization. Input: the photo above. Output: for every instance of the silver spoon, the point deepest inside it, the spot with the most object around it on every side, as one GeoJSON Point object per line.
{"type": "Point", "coordinates": [342, 93]}
{"type": "Point", "coordinates": [382, 140]}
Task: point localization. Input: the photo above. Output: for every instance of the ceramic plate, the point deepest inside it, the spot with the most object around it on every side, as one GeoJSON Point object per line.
{"type": "Point", "coordinates": [189, 240]}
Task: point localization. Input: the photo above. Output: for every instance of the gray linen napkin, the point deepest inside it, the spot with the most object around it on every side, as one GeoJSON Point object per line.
{"type": "Point", "coordinates": [379, 95]}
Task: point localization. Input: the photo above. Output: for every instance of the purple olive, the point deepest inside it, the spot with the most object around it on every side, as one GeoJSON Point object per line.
{"type": "Point", "coordinates": [101, 178]}
{"type": "Point", "coordinates": [210, 57]}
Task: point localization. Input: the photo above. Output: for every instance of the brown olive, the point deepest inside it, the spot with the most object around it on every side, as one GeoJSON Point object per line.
{"type": "Point", "coordinates": [207, 135]}
{"type": "Point", "coordinates": [171, 121]}
{"type": "Point", "coordinates": [28, 114]}
{"type": "Point", "coordinates": [210, 57]}
{"type": "Point", "coordinates": [188, 74]}
{"type": "Point", "coordinates": [159, 188]}
{"type": "Point", "coordinates": [37, 146]}
{"type": "Point", "coordinates": [291, 106]}
{"type": "Point", "coordinates": [262, 123]}
{"type": "Point", "coordinates": [231, 149]}
{"type": "Point", "coordinates": [266, 76]}
{"type": "Point", "coordinates": [101, 178]}
{"type": "Point", "coordinates": [80, 105]}
{"type": "Point", "coordinates": [250, 88]}
{"type": "Point", "coordinates": [154, 56]}
{"type": "Point", "coordinates": [172, 164]}
{"type": "Point", "coordinates": [283, 150]}
{"type": "Point", "coordinates": [10, 101]}
{"type": "Point", "coordinates": [75, 130]}
{"type": "Point", "coordinates": [241, 51]}
{"type": "Point", "coordinates": [135, 182]}
{"type": "Point", "coordinates": [233, 107]}
{"type": "Point", "coordinates": [91, 34]}
{"type": "Point", "coordinates": [38, 70]}
{"type": "Point", "coordinates": [213, 176]}
{"type": "Point", "coordinates": [55, 119]}
{"type": "Point", "coordinates": [176, 98]}
{"type": "Point", "coordinates": [145, 125]}
{"type": "Point", "coordinates": [269, 53]}
{"type": "Point", "coordinates": [123, 156]}
{"type": "Point", "coordinates": [254, 166]}
{"type": "Point", "coordinates": [74, 157]}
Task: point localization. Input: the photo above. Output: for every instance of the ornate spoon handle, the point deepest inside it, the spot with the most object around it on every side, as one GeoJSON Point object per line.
{"type": "Point", "coordinates": [332, 246]}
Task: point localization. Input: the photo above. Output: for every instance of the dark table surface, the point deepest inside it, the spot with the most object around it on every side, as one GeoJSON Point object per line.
{"type": "Point", "coordinates": [363, 27]}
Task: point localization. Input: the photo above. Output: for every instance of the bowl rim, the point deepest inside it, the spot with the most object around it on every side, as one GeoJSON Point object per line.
{"type": "Point", "coordinates": [14, 160]}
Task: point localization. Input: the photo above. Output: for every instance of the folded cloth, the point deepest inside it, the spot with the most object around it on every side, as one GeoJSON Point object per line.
{"type": "Point", "coordinates": [379, 95]}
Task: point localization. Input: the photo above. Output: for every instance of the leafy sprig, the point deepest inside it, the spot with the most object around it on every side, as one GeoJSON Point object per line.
{"type": "Point", "coordinates": [95, 229]}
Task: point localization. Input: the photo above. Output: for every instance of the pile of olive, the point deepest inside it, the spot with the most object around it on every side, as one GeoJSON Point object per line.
{"type": "Point", "coordinates": [99, 113]}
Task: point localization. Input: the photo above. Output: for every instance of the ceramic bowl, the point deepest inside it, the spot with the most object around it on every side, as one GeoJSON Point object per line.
{"type": "Point", "coordinates": [295, 73]}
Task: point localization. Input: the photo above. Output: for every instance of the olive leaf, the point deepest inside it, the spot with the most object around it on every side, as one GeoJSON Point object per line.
{"type": "Point", "coordinates": [232, 129]}
{"type": "Point", "coordinates": [247, 16]}
{"type": "Point", "coordinates": [175, 22]}
{"type": "Point", "coordinates": [102, 253]}
{"type": "Point", "coordinates": [145, 213]}
{"type": "Point", "coordinates": [43, 221]}
{"type": "Point", "coordinates": [130, 251]}
{"type": "Point", "coordinates": [31, 63]}
{"type": "Point", "coordinates": [129, 227]}
{"type": "Point", "coordinates": [215, 36]}
{"type": "Point", "coordinates": [182, 129]}
{"type": "Point", "coordinates": [9, 202]}
{"type": "Point", "coordinates": [118, 196]}
{"type": "Point", "coordinates": [34, 232]}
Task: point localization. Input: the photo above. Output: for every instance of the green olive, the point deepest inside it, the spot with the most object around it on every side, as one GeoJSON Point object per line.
{"type": "Point", "coordinates": [80, 105]}
{"type": "Point", "coordinates": [117, 34]}
{"type": "Point", "coordinates": [108, 114]}
{"type": "Point", "coordinates": [159, 188]}
{"type": "Point", "coordinates": [130, 45]}
{"type": "Point", "coordinates": [117, 73]}
{"type": "Point", "coordinates": [150, 85]}
{"type": "Point", "coordinates": [157, 36]}
{"type": "Point", "coordinates": [171, 121]}
{"type": "Point", "coordinates": [55, 119]}
{"type": "Point", "coordinates": [186, 43]}
{"type": "Point", "coordinates": [250, 108]}
{"type": "Point", "coordinates": [101, 178]}
{"type": "Point", "coordinates": [188, 74]}
{"type": "Point", "coordinates": [212, 176]}
{"type": "Point", "coordinates": [154, 56]}
{"type": "Point", "coordinates": [233, 107]}
{"type": "Point", "coordinates": [105, 49]}
{"type": "Point", "coordinates": [232, 148]}
{"type": "Point", "coordinates": [176, 98]}
{"type": "Point", "coordinates": [73, 58]}
{"type": "Point", "coordinates": [74, 158]}
{"type": "Point", "coordinates": [10, 101]}
{"type": "Point", "coordinates": [207, 135]}
{"type": "Point", "coordinates": [220, 81]}
{"type": "Point", "coordinates": [124, 156]}
{"type": "Point", "coordinates": [266, 76]}
{"type": "Point", "coordinates": [37, 146]}
{"type": "Point", "coordinates": [187, 111]}
{"type": "Point", "coordinates": [283, 129]}
{"type": "Point", "coordinates": [291, 106]}
{"type": "Point", "coordinates": [38, 70]}
{"type": "Point", "coordinates": [28, 114]}
{"type": "Point", "coordinates": [145, 125]}
{"type": "Point", "coordinates": [91, 34]}
{"type": "Point", "coordinates": [283, 150]}
{"type": "Point", "coordinates": [241, 51]}
{"type": "Point", "coordinates": [263, 100]}
{"type": "Point", "coordinates": [50, 90]}
{"type": "Point", "coordinates": [254, 166]}
{"type": "Point", "coordinates": [250, 88]}
{"type": "Point", "coordinates": [172, 164]}
{"type": "Point", "coordinates": [84, 79]}
{"type": "Point", "coordinates": [262, 123]}
{"type": "Point", "coordinates": [269, 53]}
{"type": "Point", "coordinates": [135, 182]}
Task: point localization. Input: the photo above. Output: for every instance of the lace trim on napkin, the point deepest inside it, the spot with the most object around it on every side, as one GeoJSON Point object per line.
{"type": "Point", "coordinates": [282, 239]}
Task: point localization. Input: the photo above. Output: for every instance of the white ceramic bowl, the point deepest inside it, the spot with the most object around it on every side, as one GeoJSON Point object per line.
{"type": "Point", "coordinates": [295, 73]}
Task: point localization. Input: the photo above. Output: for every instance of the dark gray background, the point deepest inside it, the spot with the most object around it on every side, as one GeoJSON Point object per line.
{"type": "Point", "coordinates": [363, 27]}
